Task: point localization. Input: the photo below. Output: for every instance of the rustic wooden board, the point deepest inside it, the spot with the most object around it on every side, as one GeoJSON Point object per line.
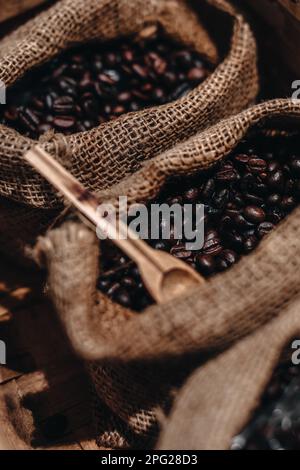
{"type": "Point", "coordinates": [11, 8]}
{"type": "Point", "coordinates": [42, 379]}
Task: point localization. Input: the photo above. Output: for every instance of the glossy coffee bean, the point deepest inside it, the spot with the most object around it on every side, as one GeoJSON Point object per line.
{"type": "Point", "coordinates": [264, 229]}
{"type": "Point", "coordinates": [226, 259]}
{"type": "Point", "coordinates": [205, 264]}
{"type": "Point", "coordinates": [254, 214]}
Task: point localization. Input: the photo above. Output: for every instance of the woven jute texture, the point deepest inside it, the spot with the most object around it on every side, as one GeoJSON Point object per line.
{"type": "Point", "coordinates": [105, 155]}
{"type": "Point", "coordinates": [210, 341]}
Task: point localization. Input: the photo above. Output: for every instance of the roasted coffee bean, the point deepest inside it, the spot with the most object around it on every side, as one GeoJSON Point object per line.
{"type": "Point", "coordinates": [64, 122]}
{"type": "Point", "coordinates": [254, 214]}
{"type": "Point", "coordinates": [256, 165]}
{"type": "Point", "coordinates": [161, 245]}
{"type": "Point", "coordinates": [288, 203]}
{"type": "Point", "coordinates": [212, 243]}
{"type": "Point", "coordinates": [208, 189]}
{"type": "Point", "coordinates": [122, 297]}
{"type": "Point", "coordinates": [273, 166]}
{"type": "Point", "coordinates": [253, 199]}
{"type": "Point", "coordinates": [275, 215]}
{"type": "Point", "coordinates": [234, 239]}
{"type": "Point", "coordinates": [180, 252]}
{"type": "Point", "coordinates": [63, 105]}
{"type": "Point", "coordinates": [264, 229]}
{"type": "Point", "coordinates": [242, 223]}
{"type": "Point", "coordinates": [205, 264]}
{"type": "Point", "coordinates": [221, 198]}
{"type": "Point", "coordinates": [226, 174]}
{"type": "Point", "coordinates": [226, 259]}
{"type": "Point", "coordinates": [197, 74]}
{"type": "Point", "coordinates": [191, 195]}
{"type": "Point", "coordinates": [274, 199]}
{"type": "Point", "coordinates": [29, 119]}
{"type": "Point", "coordinates": [250, 243]}
{"type": "Point", "coordinates": [101, 82]}
{"type": "Point", "coordinates": [128, 282]}
{"type": "Point", "coordinates": [275, 180]}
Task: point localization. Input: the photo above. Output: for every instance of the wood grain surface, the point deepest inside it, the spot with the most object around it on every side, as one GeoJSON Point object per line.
{"type": "Point", "coordinates": [45, 400]}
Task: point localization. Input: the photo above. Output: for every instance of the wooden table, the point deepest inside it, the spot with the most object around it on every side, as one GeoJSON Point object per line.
{"type": "Point", "coordinates": [44, 390]}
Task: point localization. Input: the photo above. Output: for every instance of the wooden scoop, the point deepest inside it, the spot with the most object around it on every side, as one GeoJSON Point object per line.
{"type": "Point", "coordinates": [164, 276]}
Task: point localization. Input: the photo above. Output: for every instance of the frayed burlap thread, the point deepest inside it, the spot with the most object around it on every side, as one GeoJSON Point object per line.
{"type": "Point", "coordinates": [140, 361]}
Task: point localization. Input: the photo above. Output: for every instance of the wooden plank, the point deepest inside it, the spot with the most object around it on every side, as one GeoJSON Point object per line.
{"type": "Point", "coordinates": [42, 379]}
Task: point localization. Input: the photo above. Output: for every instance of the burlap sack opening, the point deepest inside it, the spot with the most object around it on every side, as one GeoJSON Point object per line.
{"type": "Point", "coordinates": [138, 362]}
{"type": "Point", "coordinates": [105, 155]}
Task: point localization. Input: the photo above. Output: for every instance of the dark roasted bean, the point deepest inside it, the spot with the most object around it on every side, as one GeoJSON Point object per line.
{"type": "Point", "coordinates": [63, 105]}
{"type": "Point", "coordinates": [208, 189]}
{"type": "Point", "coordinates": [241, 222]}
{"type": "Point", "coordinates": [275, 180]}
{"type": "Point", "coordinates": [64, 122]}
{"type": "Point", "coordinates": [197, 74]}
{"type": "Point", "coordinates": [29, 120]}
{"type": "Point", "coordinates": [226, 259]}
{"type": "Point", "coordinates": [256, 165]}
{"type": "Point", "coordinates": [264, 229]}
{"type": "Point", "coordinates": [275, 215]}
{"type": "Point", "coordinates": [250, 243]}
{"type": "Point", "coordinates": [226, 174]}
{"type": "Point", "coordinates": [274, 199]}
{"type": "Point", "coordinates": [180, 252]}
{"type": "Point", "coordinates": [205, 264]}
{"type": "Point", "coordinates": [212, 247]}
{"type": "Point", "coordinates": [254, 214]}
{"type": "Point", "coordinates": [122, 297]}
{"type": "Point", "coordinates": [288, 203]}
{"type": "Point", "coordinates": [191, 195]}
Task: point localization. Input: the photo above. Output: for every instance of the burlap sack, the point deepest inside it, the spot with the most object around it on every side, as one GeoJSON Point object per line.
{"type": "Point", "coordinates": [103, 156]}
{"type": "Point", "coordinates": [138, 362]}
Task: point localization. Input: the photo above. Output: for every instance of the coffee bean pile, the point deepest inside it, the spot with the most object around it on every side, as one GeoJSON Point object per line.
{"type": "Point", "coordinates": [244, 197]}
{"type": "Point", "coordinates": [94, 83]}
{"type": "Point", "coordinates": [276, 423]}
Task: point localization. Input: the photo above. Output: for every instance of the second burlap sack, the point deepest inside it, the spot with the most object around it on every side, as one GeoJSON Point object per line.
{"type": "Point", "coordinates": [139, 362]}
